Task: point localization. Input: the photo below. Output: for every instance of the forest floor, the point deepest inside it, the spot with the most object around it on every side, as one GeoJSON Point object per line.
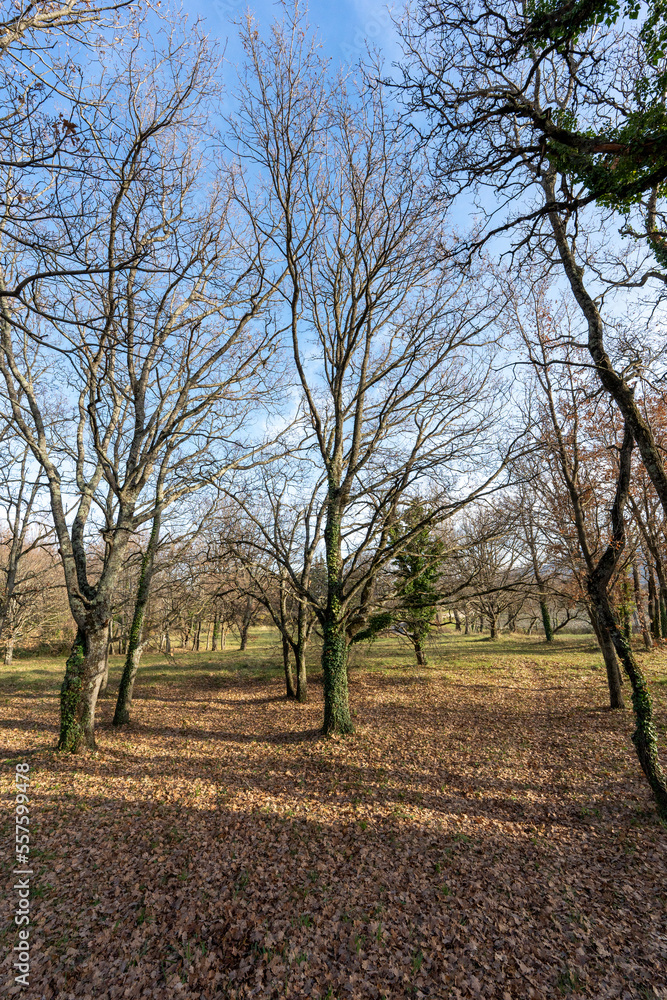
{"type": "Point", "coordinates": [485, 833]}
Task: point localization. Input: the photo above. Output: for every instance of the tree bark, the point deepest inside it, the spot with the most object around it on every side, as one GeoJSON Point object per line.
{"type": "Point", "coordinates": [337, 718]}
{"type": "Point", "coordinates": [216, 633]}
{"type": "Point", "coordinates": [289, 679]}
{"type": "Point", "coordinates": [105, 678]}
{"type": "Point", "coordinates": [302, 633]}
{"type": "Point", "coordinates": [419, 652]}
{"type": "Point", "coordinates": [301, 674]}
{"type": "Point", "coordinates": [546, 621]}
{"type": "Point", "coordinates": [614, 679]}
{"type": "Point", "coordinates": [84, 672]}
{"type": "Point", "coordinates": [644, 736]}
{"type": "Point", "coordinates": [133, 657]}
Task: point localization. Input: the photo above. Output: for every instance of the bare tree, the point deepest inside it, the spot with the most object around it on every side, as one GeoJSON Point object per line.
{"type": "Point", "coordinates": [388, 350]}
{"type": "Point", "coordinates": [507, 113]}
{"type": "Point", "coordinates": [25, 528]}
{"type": "Point", "coordinates": [574, 460]}
{"type": "Point", "coordinates": [276, 540]}
{"type": "Point", "coordinates": [159, 360]}
{"type": "Point", "coordinates": [32, 25]}
{"type": "Point", "coordinates": [491, 570]}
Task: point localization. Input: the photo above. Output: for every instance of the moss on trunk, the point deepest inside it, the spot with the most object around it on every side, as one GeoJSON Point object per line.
{"type": "Point", "coordinates": [70, 696]}
{"type": "Point", "coordinates": [546, 621]}
{"type": "Point", "coordinates": [337, 717]}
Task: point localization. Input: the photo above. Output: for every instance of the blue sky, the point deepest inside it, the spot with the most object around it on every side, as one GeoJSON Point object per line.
{"type": "Point", "coordinates": [343, 25]}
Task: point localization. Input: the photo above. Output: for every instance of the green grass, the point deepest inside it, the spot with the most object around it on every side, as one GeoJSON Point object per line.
{"type": "Point", "coordinates": [460, 658]}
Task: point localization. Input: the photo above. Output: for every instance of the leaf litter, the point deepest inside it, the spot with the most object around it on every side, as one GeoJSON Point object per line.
{"type": "Point", "coordinates": [484, 835]}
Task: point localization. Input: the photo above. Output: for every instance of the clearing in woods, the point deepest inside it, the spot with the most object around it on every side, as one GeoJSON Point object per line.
{"type": "Point", "coordinates": [485, 833]}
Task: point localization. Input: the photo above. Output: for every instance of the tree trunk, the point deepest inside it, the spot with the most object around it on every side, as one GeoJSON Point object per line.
{"type": "Point", "coordinates": [641, 611]}
{"type": "Point", "coordinates": [337, 718]}
{"type": "Point", "coordinates": [105, 678]}
{"type": "Point", "coordinates": [614, 679]}
{"type": "Point", "coordinates": [223, 638]}
{"type": "Point", "coordinates": [644, 736]}
{"type": "Point", "coordinates": [289, 679]}
{"type": "Point", "coordinates": [84, 672]}
{"type": "Point", "coordinates": [419, 652]}
{"type": "Point", "coordinates": [300, 655]}
{"type": "Point", "coordinates": [126, 689]}
{"type": "Point", "coordinates": [301, 674]}
{"type": "Point", "coordinates": [216, 632]}
{"type": "Point", "coordinates": [133, 657]}
{"type": "Point", "coordinates": [614, 384]}
{"type": "Point", "coordinates": [492, 626]}
{"type": "Point", "coordinates": [167, 643]}
{"type": "Point", "coordinates": [457, 620]}
{"type": "Point", "coordinates": [652, 604]}
{"type": "Point", "coordinates": [7, 617]}
{"type": "Point", "coordinates": [244, 635]}
{"type": "Point", "coordinates": [546, 621]}
{"type": "Point", "coordinates": [624, 609]}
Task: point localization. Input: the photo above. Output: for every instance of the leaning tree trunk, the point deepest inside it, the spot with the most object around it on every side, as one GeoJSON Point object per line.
{"type": "Point", "coordinates": [84, 672]}
{"type": "Point", "coordinates": [614, 383]}
{"type": "Point", "coordinates": [337, 718]}
{"type": "Point", "coordinates": [133, 655]}
{"type": "Point", "coordinates": [644, 736]}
